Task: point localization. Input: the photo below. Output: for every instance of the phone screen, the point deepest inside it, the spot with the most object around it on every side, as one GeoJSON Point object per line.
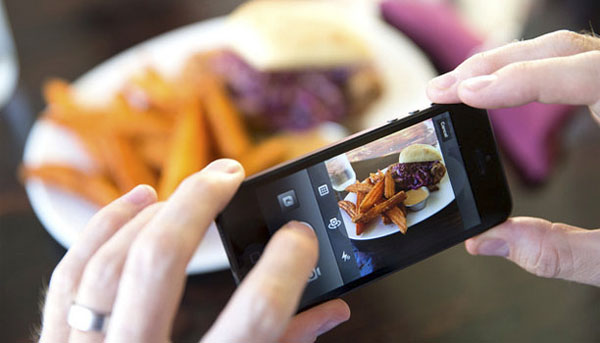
{"type": "Point", "coordinates": [439, 205]}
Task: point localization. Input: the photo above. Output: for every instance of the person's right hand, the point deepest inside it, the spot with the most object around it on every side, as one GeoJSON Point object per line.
{"type": "Point", "coordinates": [560, 67]}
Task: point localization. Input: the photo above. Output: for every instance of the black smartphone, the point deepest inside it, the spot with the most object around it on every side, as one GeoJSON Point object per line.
{"type": "Point", "coordinates": [378, 201]}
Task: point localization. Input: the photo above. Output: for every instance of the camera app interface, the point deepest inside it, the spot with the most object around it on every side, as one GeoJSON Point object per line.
{"type": "Point", "coordinates": [378, 205]}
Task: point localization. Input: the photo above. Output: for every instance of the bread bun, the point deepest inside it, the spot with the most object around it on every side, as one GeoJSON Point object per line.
{"type": "Point", "coordinates": [293, 34]}
{"type": "Point", "coordinates": [419, 153]}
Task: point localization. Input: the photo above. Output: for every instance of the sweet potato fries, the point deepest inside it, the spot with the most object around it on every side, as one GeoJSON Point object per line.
{"type": "Point", "coordinates": [376, 197]}
{"type": "Point", "coordinates": [157, 131]}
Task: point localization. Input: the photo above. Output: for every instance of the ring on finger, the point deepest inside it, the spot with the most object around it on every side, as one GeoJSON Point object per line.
{"type": "Point", "coordinates": [86, 319]}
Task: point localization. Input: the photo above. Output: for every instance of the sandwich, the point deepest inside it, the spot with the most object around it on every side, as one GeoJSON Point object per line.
{"type": "Point", "coordinates": [419, 165]}
{"type": "Point", "coordinates": [292, 64]}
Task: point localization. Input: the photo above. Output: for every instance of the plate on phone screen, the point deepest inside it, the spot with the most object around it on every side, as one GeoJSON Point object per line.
{"type": "Point", "coordinates": [404, 70]}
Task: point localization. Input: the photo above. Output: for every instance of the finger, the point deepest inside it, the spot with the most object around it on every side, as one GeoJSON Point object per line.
{"type": "Point", "coordinates": [262, 306]}
{"type": "Point", "coordinates": [100, 280]}
{"type": "Point", "coordinates": [67, 273]}
{"type": "Point", "coordinates": [543, 248]}
{"type": "Point", "coordinates": [310, 324]}
{"type": "Point", "coordinates": [154, 273]}
{"type": "Point", "coordinates": [541, 80]}
{"type": "Point", "coordinates": [443, 89]}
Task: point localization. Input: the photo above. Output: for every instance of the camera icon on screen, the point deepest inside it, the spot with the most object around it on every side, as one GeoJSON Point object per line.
{"type": "Point", "coordinates": [288, 200]}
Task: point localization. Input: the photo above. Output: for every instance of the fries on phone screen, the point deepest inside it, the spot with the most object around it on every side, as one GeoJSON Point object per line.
{"type": "Point", "coordinates": [376, 198]}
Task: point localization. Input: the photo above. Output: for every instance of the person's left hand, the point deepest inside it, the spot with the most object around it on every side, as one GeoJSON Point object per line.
{"type": "Point", "coordinates": [130, 262]}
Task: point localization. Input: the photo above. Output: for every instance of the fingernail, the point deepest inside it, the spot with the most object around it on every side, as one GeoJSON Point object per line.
{"type": "Point", "coordinates": [224, 166]}
{"type": "Point", "coordinates": [443, 82]}
{"type": "Point", "coordinates": [479, 82]}
{"type": "Point", "coordinates": [140, 195]}
{"type": "Point", "coordinates": [328, 326]}
{"type": "Point", "coordinates": [493, 247]}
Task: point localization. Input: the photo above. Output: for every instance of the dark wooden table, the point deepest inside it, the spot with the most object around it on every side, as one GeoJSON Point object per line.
{"type": "Point", "coordinates": [450, 297]}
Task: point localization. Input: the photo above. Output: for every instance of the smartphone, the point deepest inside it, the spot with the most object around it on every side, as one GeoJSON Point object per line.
{"type": "Point", "coordinates": [442, 182]}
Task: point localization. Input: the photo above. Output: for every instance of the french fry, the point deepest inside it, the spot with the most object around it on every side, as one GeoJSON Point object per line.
{"type": "Point", "coordinates": [398, 217]}
{"type": "Point", "coordinates": [380, 208]}
{"type": "Point", "coordinates": [376, 177]}
{"type": "Point", "coordinates": [126, 124]}
{"type": "Point", "coordinates": [360, 228]}
{"type": "Point", "coordinates": [359, 187]}
{"type": "Point", "coordinates": [153, 150]}
{"type": "Point", "coordinates": [227, 127]}
{"type": "Point", "coordinates": [149, 90]}
{"type": "Point", "coordinates": [197, 68]}
{"type": "Point", "coordinates": [374, 194]}
{"type": "Point", "coordinates": [58, 93]}
{"type": "Point", "coordinates": [360, 196]}
{"type": "Point", "coordinates": [264, 155]}
{"type": "Point", "coordinates": [94, 187]}
{"type": "Point", "coordinates": [126, 120]}
{"type": "Point", "coordinates": [302, 142]}
{"type": "Point", "coordinates": [89, 139]}
{"type": "Point", "coordinates": [188, 149]}
{"type": "Point", "coordinates": [348, 206]}
{"type": "Point", "coordinates": [389, 188]}
{"type": "Point", "coordinates": [385, 219]}
{"type": "Point", "coordinates": [124, 164]}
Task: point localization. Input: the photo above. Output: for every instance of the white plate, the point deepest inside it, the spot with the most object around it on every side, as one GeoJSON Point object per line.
{"type": "Point", "coordinates": [403, 67]}
{"type": "Point", "coordinates": [436, 202]}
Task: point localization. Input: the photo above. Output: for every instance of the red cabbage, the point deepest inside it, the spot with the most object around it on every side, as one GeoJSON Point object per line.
{"type": "Point", "coordinates": [418, 174]}
{"type": "Point", "coordinates": [285, 99]}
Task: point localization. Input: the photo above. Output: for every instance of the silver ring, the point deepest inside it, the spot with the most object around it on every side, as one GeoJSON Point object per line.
{"type": "Point", "coordinates": [86, 319]}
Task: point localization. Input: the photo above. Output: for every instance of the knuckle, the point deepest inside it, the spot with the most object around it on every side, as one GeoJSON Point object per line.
{"type": "Point", "coordinates": [554, 258]}
{"type": "Point", "coordinates": [547, 265]}
{"type": "Point", "coordinates": [64, 277]}
{"type": "Point", "coordinates": [268, 307]}
{"type": "Point", "coordinates": [522, 67]}
{"type": "Point", "coordinates": [102, 272]}
{"type": "Point", "coordinates": [483, 61]}
{"type": "Point", "coordinates": [201, 182]}
{"type": "Point", "coordinates": [569, 42]}
{"type": "Point", "coordinates": [111, 216]}
{"type": "Point", "coordinates": [564, 35]}
{"type": "Point", "coordinates": [155, 253]}
{"type": "Point", "coordinates": [201, 186]}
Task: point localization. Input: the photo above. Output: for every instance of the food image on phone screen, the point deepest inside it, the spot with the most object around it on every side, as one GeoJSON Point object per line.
{"type": "Point", "coordinates": [393, 194]}
{"type": "Point", "coordinates": [374, 208]}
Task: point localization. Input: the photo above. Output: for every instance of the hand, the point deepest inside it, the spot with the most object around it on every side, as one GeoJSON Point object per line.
{"type": "Point", "coordinates": [546, 249]}
{"type": "Point", "coordinates": [560, 67]}
{"type": "Point", "coordinates": [130, 262]}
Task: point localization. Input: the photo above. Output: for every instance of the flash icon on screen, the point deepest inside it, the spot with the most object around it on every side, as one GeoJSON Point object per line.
{"type": "Point", "coordinates": [345, 257]}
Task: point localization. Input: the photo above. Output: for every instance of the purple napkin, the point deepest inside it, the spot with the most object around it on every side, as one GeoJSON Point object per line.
{"type": "Point", "coordinates": [527, 134]}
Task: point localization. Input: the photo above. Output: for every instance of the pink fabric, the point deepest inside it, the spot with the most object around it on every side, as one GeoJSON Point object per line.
{"type": "Point", "coordinates": [526, 134]}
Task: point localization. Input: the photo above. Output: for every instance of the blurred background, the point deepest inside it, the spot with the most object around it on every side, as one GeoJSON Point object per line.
{"type": "Point", "coordinates": [450, 297]}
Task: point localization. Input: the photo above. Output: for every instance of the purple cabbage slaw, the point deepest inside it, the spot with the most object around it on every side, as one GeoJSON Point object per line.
{"type": "Point", "coordinates": [294, 100]}
{"type": "Point", "coordinates": [417, 174]}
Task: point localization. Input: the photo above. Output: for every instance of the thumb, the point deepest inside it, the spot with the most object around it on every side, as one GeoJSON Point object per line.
{"type": "Point", "coordinates": [546, 249]}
